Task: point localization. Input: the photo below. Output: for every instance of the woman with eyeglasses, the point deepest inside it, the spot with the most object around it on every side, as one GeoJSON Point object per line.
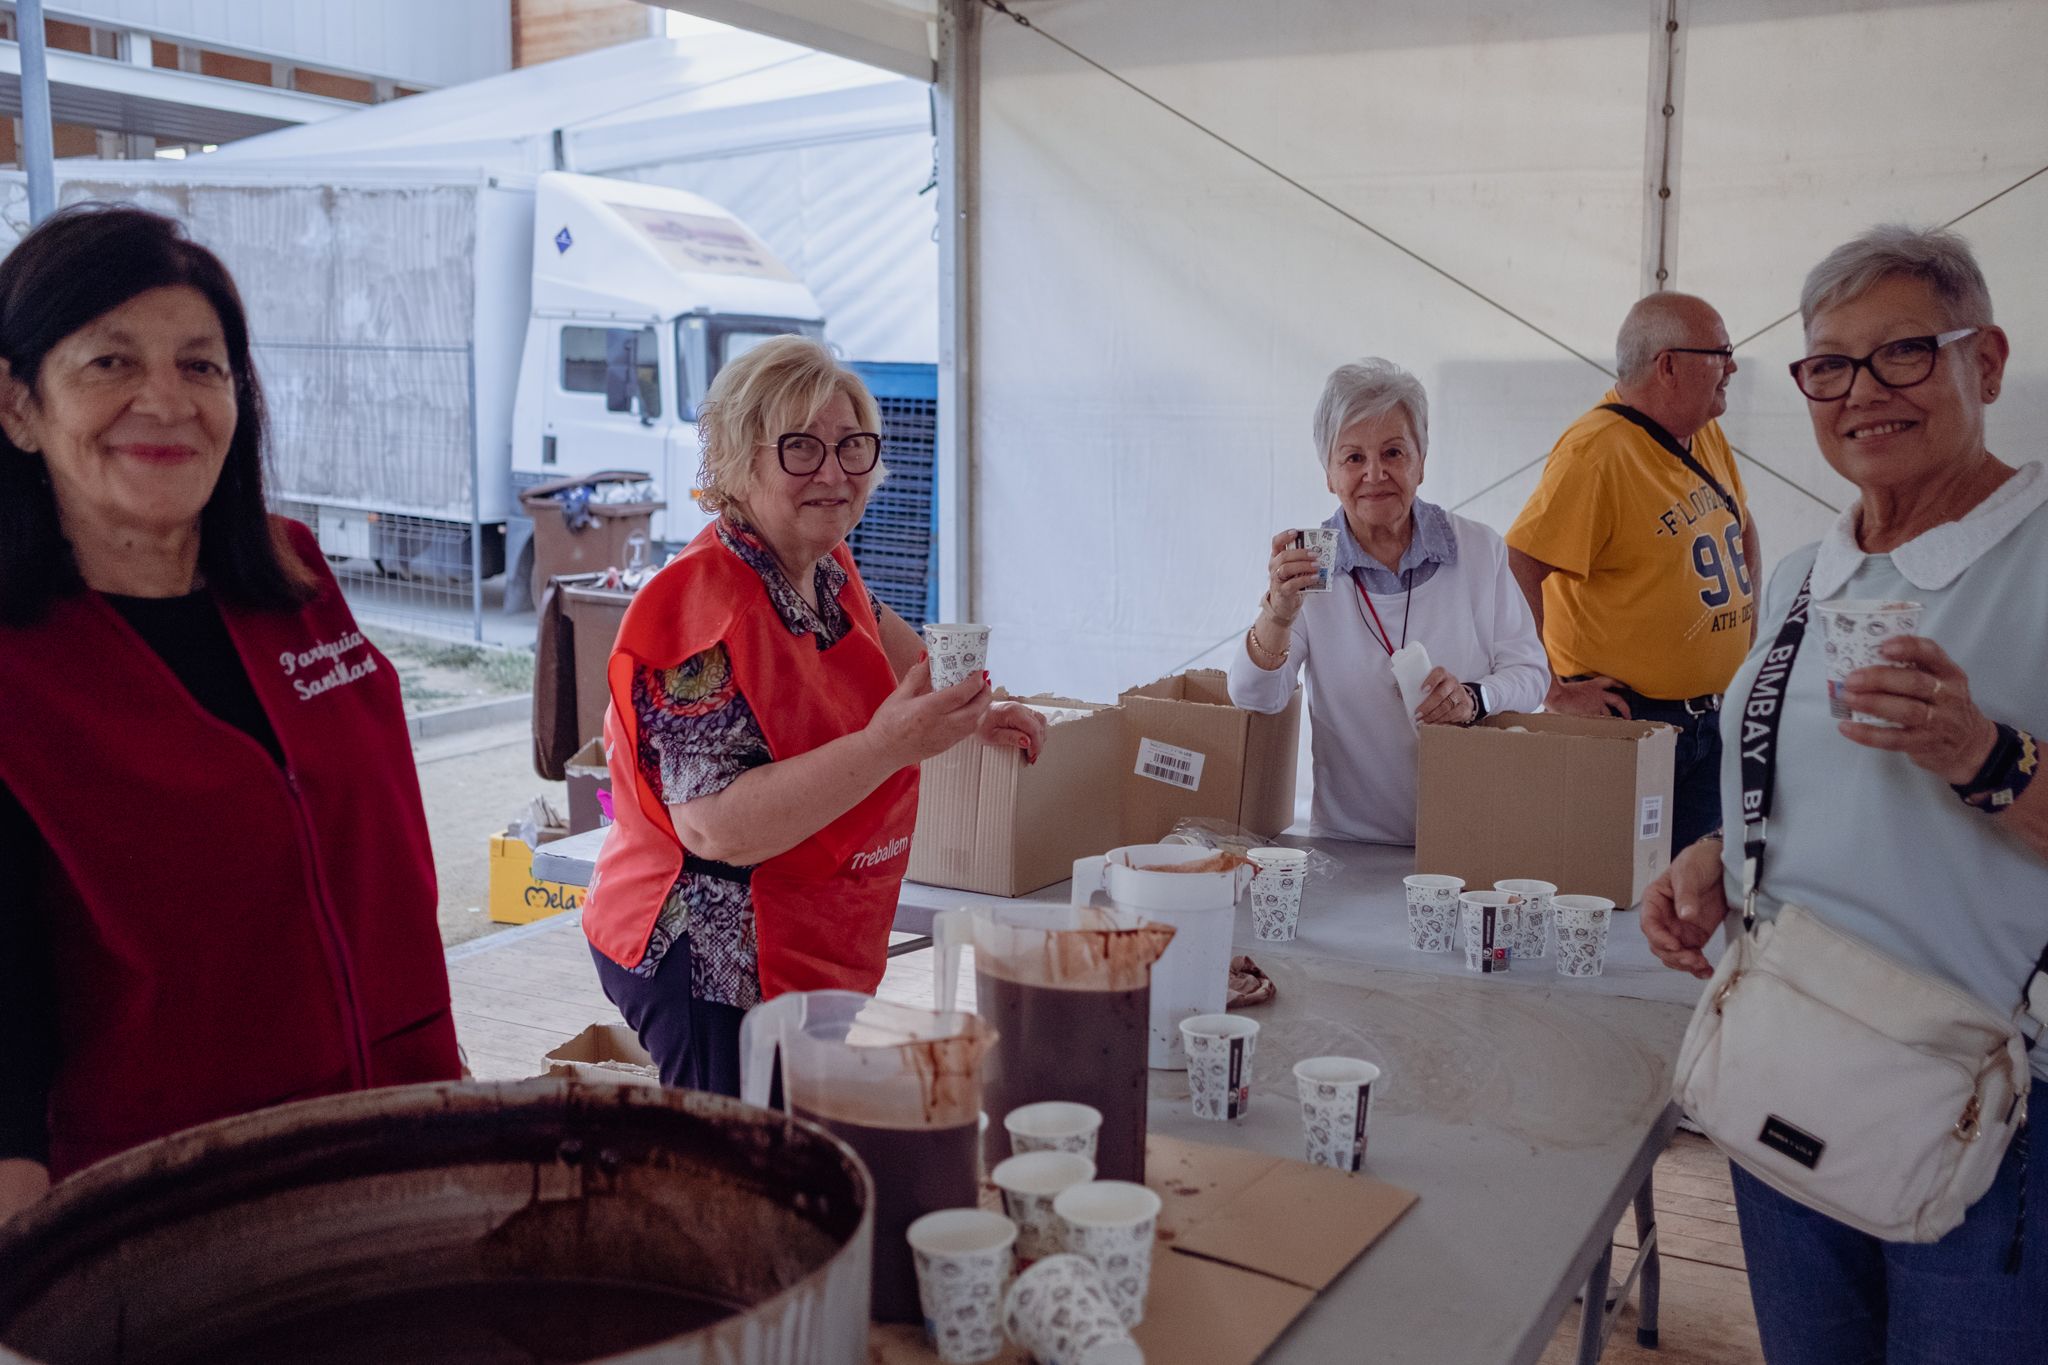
{"type": "Point", "coordinates": [1925, 836]}
{"type": "Point", "coordinates": [1406, 572]}
{"type": "Point", "coordinates": [767, 718]}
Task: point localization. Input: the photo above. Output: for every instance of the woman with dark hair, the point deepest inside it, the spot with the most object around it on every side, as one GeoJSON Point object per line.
{"type": "Point", "coordinates": [220, 894]}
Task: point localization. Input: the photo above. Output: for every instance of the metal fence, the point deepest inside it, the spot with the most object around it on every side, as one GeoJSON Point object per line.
{"type": "Point", "coordinates": [376, 449]}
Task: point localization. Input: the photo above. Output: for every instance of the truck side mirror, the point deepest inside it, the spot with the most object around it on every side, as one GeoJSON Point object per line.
{"type": "Point", "coordinates": [621, 369]}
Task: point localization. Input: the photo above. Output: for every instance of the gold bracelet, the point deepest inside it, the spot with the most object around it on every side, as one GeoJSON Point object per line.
{"type": "Point", "coordinates": [1251, 637]}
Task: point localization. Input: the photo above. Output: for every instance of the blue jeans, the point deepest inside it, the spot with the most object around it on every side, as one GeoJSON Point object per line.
{"type": "Point", "coordinates": [1827, 1294]}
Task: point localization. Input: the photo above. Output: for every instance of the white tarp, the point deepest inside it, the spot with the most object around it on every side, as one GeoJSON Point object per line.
{"type": "Point", "coordinates": [1157, 313]}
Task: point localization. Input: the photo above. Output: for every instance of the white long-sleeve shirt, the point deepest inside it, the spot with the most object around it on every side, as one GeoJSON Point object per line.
{"type": "Point", "coordinates": [1471, 616]}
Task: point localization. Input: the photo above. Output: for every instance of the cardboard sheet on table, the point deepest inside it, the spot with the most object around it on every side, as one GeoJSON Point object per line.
{"type": "Point", "coordinates": [1200, 1312]}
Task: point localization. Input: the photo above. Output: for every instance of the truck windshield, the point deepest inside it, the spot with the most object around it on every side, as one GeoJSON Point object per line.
{"type": "Point", "coordinates": [709, 344]}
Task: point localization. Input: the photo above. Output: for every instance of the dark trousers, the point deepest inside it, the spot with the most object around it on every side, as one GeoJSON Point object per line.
{"type": "Point", "coordinates": [1696, 765]}
{"type": "Point", "coordinates": [695, 1043]}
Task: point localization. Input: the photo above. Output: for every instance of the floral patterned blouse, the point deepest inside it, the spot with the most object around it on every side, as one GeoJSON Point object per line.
{"type": "Point", "coordinates": [697, 734]}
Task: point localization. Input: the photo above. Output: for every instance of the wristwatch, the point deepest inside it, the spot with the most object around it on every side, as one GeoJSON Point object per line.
{"type": "Point", "coordinates": [1478, 695]}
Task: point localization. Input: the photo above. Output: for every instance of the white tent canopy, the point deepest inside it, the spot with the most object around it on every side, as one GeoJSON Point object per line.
{"type": "Point", "coordinates": [824, 157]}
{"type": "Point", "coordinates": [1153, 311]}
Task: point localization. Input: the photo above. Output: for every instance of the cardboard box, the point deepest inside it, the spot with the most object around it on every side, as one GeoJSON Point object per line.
{"type": "Point", "coordinates": [1123, 774]}
{"type": "Point", "coordinates": [1187, 752]}
{"type": "Point", "coordinates": [588, 774]}
{"type": "Point", "coordinates": [608, 1054]}
{"type": "Point", "coordinates": [1246, 1242]}
{"type": "Point", "coordinates": [1581, 801]}
{"type": "Point", "coordinates": [516, 897]}
{"type": "Point", "coordinates": [594, 615]}
{"type": "Point", "coordinates": [988, 821]}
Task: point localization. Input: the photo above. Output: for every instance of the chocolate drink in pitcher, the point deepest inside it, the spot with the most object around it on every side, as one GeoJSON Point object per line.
{"type": "Point", "coordinates": [1083, 1046]}
{"type": "Point", "coordinates": [916, 1171]}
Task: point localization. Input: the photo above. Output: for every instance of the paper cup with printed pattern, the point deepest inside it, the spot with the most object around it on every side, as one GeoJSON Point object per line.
{"type": "Point", "coordinates": [1433, 911]}
{"type": "Point", "coordinates": [1219, 1050]}
{"type": "Point", "coordinates": [958, 652]}
{"type": "Point", "coordinates": [1060, 1311]}
{"type": "Point", "coordinates": [1581, 924]}
{"type": "Point", "coordinates": [1029, 1183]}
{"type": "Point", "coordinates": [1323, 541]}
{"type": "Point", "coordinates": [963, 1266]}
{"type": "Point", "coordinates": [1532, 932]}
{"type": "Point", "coordinates": [1489, 921]}
{"type": "Point", "coordinates": [1278, 881]}
{"type": "Point", "coordinates": [1054, 1126]}
{"type": "Point", "coordinates": [1113, 1223]}
{"type": "Point", "coordinates": [1336, 1108]}
{"type": "Point", "coordinates": [1851, 629]}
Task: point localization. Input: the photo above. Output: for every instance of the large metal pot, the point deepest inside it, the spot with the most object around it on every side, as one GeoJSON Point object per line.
{"type": "Point", "coordinates": [541, 1221]}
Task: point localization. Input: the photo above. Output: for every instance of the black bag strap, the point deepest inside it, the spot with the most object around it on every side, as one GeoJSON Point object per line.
{"type": "Point", "coordinates": [1762, 716]}
{"type": "Point", "coordinates": [1684, 456]}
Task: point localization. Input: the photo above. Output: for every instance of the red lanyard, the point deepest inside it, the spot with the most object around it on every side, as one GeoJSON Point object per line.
{"type": "Point", "coordinates": [1382, 636]}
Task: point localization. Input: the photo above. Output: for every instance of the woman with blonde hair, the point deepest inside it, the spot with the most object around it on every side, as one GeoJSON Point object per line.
{"type": "Point", "coordinates": [767, 719]}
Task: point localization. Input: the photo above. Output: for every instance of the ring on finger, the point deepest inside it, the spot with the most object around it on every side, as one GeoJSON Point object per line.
{"type": "Point", "coordinates": [1928, 719]}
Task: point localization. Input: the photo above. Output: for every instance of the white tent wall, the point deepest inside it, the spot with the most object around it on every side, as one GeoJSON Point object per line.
{"type": "Point", "coordinates": [1156, 313]}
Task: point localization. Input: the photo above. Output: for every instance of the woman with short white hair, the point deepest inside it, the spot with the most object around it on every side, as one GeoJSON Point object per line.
{"type": "Point", "coordinates": [1406, 572]}
{"type": "Point", "coordinates": [1900, 811]}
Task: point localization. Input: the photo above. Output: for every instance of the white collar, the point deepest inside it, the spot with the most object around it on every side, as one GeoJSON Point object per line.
{"type": "Point", "coordinates": [1936, 557]}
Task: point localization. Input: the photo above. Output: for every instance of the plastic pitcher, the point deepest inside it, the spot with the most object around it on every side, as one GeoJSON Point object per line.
{"type": "Point", "coordinates": [899, 1085]}
{"type": "Point", "coordinates": [1193, 975]}
{"type": "Point", "coordinates": [1069, 990]}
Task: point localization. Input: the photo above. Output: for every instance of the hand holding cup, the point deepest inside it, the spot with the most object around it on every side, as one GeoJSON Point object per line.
{"type": "Point", "coordinates": [1921, 697]}
{"type": "Point", "coordinates": [1291, 571]}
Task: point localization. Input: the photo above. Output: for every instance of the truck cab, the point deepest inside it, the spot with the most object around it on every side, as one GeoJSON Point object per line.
{"type": "Point", "coordinates": [640, 295]}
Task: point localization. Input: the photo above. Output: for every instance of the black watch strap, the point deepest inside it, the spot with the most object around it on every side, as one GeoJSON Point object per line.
{"type": "Point", "coordinates": [1478, 703]}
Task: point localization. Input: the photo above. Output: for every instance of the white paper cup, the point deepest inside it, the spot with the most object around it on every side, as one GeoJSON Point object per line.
{"type": "Point", "coordinates": [1532, 931]}
{"type": "Point", "coordinates": [1054, 1126]}
{"type": "Point", "coordinates": [1113, 1223]}
{"type": "Point", "coordinates": [1851, 629]}
{"type": "Point", "coordinates": [1581, 923]}
{"type": "Point", "coordinates": [1336, 1108]}
{"type": "Point", "coordinates": [1322, 540]}
{"type": "Point", "coordinates": [1220, 1050]}
{"type": "Point", "coordinates": [1060, 1311]}
{"type": "Point", "coordinates": [1433, 911]}
{"type": "Point", "coordinates": [1029, 1183]}
{"type": "Point", "coordinates": [1489, 921]}
{"type": "Point", "coordinates": [957, 652]}
{"type": "Point", "coordinates": [963, 1267]}
{"type": "Point", "coordinates": [1276, 890]}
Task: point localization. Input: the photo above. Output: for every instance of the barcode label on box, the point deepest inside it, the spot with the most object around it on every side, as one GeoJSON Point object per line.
{"type": "Point", "coordinates": [1169, 763]}
{"type": "Point", "coordinates": [1652, 822]}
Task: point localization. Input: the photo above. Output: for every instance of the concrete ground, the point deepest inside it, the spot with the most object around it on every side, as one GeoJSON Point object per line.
{"type": "Point", "coordinates": [474, 784]}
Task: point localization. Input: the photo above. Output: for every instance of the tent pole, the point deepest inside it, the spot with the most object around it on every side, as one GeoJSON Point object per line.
{"type": "Point", "coordinates": [957, 100]}
{"type": "Point", "coordinates": [1664, 123]}
{"type": "Point", "coordinates": [37, 157]}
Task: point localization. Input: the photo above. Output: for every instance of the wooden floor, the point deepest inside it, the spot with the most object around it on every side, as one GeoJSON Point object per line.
{"type": "Point", "coordinates": [523, 991]}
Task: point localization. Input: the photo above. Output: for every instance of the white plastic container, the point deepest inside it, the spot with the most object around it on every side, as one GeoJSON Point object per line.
{"type": "Point", "coordinates": [1193, 975]}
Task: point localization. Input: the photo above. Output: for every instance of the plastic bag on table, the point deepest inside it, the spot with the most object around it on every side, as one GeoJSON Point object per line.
{"type": "Point", "coordinates": [1204, 832]}
{"type": "Point", "coordinates": [541, 823]}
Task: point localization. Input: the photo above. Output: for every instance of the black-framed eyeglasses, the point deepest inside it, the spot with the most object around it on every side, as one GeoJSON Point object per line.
{"type": "Point", "coordinates": [802, 453]}
{"type": "Point", "coordinates": [1897, 365]}
{"type": "Point", "coordinates": [1723, 353]}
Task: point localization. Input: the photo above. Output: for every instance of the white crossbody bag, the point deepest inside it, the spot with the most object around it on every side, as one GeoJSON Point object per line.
{"type": "Point", "coordinates": [1868, 1090]}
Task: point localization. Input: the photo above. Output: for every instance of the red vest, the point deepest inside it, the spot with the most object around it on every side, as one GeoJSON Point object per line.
{"type": "Point", "coordinates": [226, 934]}
{"type": "Point", "coordinates": [822, 910]}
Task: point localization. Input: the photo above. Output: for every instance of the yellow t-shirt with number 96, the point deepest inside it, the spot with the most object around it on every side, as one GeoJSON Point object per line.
{"type": "Point", "coordinates": [1651, 587]}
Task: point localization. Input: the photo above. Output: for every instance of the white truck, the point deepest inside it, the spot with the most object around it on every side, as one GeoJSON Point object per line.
{"type": "Point", "coordinates": [430, 342]}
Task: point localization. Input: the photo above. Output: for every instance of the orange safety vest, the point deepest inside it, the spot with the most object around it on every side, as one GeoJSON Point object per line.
{"type": "Point", "coordinates": [822, 910]}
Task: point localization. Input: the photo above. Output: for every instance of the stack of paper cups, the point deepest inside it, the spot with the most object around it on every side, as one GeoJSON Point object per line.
{"type": "Point", "coordinates": [1276, 891]}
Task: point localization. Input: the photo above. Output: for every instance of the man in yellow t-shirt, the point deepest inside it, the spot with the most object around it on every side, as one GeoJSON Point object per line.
{"type": "Point", "coordinates": [1637, 553]}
